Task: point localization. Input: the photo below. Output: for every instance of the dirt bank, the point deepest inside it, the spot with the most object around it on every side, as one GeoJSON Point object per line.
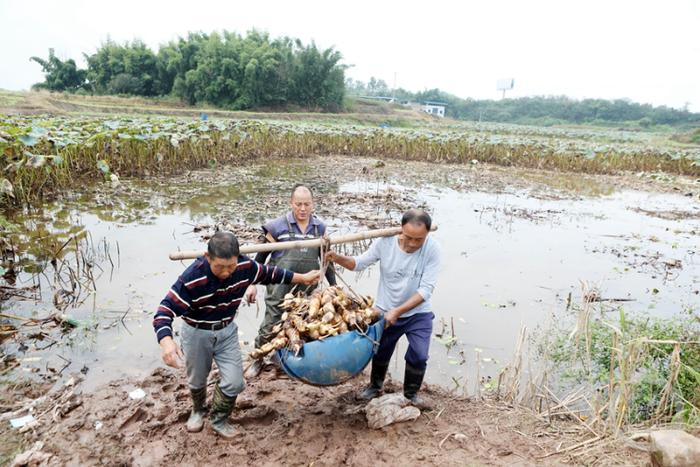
{"type": "Point", "coordinates": [283, 422]}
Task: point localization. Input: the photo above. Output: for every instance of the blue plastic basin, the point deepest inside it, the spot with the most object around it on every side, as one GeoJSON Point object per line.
{"type": "Point", "coordinates": [333, 360]}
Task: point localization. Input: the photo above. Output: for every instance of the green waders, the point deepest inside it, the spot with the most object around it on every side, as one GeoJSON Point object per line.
{"type": "Point", "coordinates": [297, 260]}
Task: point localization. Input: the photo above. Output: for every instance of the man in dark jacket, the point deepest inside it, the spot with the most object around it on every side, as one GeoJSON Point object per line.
{"type": "Point", "coordinates": [299, 223]}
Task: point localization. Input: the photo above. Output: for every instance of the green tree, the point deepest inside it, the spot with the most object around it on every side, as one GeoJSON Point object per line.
{"type": "Point", "coordinates": [377, 87]}
{"type": "Point", "coordinates": [317, 81]}
{"type": "Point", "coordinates": [223, 69]}
{"type": "Point", "coordinates": [59, 75]}
{"type": "Point", "coordinates": [123, 69]}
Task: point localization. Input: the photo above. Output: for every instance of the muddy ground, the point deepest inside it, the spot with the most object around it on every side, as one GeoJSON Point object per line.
{"type": "Point", "coordinates": [283, 422]}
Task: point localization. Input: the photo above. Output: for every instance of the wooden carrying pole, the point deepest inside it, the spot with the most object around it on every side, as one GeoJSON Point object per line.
{"type": "Point", "coordinates": [316, 242]}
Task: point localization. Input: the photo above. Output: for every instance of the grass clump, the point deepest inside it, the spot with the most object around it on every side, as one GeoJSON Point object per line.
{"type": "Point", "coordinates": [639, 368]}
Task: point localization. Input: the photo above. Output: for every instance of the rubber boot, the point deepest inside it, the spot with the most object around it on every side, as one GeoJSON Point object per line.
{"type": "Point", "coordinates": [412, 381]}
{"type": "Point", "coordinates": [376, 381]}
{"type": "Point", "coordinates": [196, 421]}
{"type": "Point", "coordinates": [221, 407]}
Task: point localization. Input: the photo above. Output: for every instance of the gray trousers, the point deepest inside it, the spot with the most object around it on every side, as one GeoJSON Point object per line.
{"type": "Point", "coordinates": [201, 346]}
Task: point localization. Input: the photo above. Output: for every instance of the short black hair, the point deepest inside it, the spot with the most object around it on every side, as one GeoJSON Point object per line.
{"type": "Point", "coordinates": [301, 185]}
{"type": "Point", "coordinates": [417, 216]}
{"type": "Point", "coordinates": [223, 245]}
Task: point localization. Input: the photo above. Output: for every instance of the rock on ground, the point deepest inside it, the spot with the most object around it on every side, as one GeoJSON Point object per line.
{"type": "Point", "coordinates": [674, 448]}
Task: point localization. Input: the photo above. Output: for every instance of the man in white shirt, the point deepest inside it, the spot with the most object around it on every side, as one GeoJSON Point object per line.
{"type": "Point", "coordinates": [409, 267]}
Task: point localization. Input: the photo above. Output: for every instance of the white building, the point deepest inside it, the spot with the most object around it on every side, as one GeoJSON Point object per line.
{"type": "Point", "coordinates": [434, 108]}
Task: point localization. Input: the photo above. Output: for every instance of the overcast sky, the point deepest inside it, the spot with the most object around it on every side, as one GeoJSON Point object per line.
{"type": "Point", "coordinates": [646, 51]}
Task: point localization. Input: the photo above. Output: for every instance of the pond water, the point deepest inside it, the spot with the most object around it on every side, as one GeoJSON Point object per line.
{"type": "Point", "coordinates": [511, 257]}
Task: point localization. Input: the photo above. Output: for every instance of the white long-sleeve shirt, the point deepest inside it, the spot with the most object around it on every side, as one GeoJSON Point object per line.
{"type": "Point", "coordinates": [402, 274]}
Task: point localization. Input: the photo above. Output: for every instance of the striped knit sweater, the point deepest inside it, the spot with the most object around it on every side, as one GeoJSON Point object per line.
{"type": "Point", "coordinates": [200, 296]}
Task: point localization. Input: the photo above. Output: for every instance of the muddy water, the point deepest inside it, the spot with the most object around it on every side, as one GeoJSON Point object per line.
{"type": "Point", "coordinates": [513, 251]}
{"type": "Point", "coordinates": [512, 261]}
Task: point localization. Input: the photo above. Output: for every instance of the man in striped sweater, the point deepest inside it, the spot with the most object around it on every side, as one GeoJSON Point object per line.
{"type": "Point", "coordinates": [206, 296]}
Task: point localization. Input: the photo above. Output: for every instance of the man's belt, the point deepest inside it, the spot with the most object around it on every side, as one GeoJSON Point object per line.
{"type": "Point", "coordinates": [208, 325]}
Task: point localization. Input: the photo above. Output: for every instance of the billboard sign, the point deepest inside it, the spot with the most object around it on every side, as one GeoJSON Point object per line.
{"type": "Point", "coordinates": [505, 84]}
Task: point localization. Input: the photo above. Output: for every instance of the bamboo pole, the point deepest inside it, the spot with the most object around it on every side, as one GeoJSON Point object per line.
{"type": "Point", "coordinates": [316, 242]}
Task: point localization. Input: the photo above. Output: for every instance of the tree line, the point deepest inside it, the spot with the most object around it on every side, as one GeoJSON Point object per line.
{"type": "Point", "coordinates": [534, 110]}
{"type": "Point", "coordinates": [222, 69]}
{"type": "Point", "coordinates": [237, 72]}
